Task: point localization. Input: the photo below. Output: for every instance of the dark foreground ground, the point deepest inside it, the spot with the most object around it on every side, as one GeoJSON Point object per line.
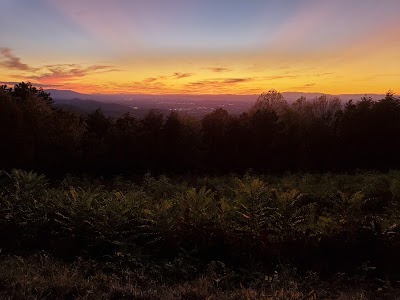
{"type": "Point", "coordinates": [298, 236]}
{"type": "Point", "coordinates": [39, 276]}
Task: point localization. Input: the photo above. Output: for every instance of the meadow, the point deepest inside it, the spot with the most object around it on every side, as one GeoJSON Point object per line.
{"type": "Point", "coordinates": [293, 236]}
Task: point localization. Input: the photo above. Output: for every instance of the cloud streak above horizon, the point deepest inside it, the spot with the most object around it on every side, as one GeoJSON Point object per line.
{"type": "Point", "coordinates": [48, 75]}
{"type": "Point", "coordinates": [9, 60]}
{"type": "Point", "coordinates": [69, 72]}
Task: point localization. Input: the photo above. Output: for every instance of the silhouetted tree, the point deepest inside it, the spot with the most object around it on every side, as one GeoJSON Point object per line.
{"type": "Point", "coordinates": [271, 101]}
{"type": "Point", "coordinates": [96, 143]}
{"type": "Point", "coordinates": [265, 126]}
{"type": "Point", "coordinates": [216, 138]}
{"type": "Point", "coordinates": [125, 140]}
{"type": "Point", "coordinates": [24, 91]}
{"type": "Point", "coordinates": [11, 131]}
{"type": "Point", "coordinates": [181, 142]}
{"type": "Point", "coordinates": [151, 140]}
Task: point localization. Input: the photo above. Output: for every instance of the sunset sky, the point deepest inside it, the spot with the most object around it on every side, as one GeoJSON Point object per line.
{"type": "Point", "coordinates": [202, 46]}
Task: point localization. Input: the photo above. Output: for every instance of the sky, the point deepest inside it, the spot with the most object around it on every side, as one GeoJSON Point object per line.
{"type": "Point", "coordinates": [202, 47]}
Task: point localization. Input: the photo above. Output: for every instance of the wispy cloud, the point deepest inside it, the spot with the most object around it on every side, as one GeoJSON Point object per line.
{"type": "Point", "coordinates": [150, 80]}
{"type": "Point", "coordinates": [179, 75]}
{"type": "Point", "coordinates": [324, 74]}
{"type": "Point", "coordinates": [47, 75]}
{"type": "Point", "coordinates": [9, 60]}
{"type": "Point", "coordinates": [156, 84]}
{"type": "Point", "coordinates": [304, 86]}
{"type": "Point", "coordinates": [274, 77]}
{"type": "Point", "coordinates": [236, 80]}
{"type": "Point", "coordinates": [226, 85]}
{"type": "Point", "coordinates": [175, 75]}
{"type": "Point", "coordinates": [36, 84]}
{"type": "Point", "coordinates": [218, 82]}
{"type": "Point", "coordinates": [66, 72]}
{"type": "Point", "coordinates": [147, 85]}
{"type": "Point", "coordinates": [217, 69]}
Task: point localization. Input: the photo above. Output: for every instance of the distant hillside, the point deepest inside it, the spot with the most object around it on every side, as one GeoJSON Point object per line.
{"type": "Point", "coordinates": [150, 99]}
{"type": "Point", "coordinates": [113, 110]}
{"type": "Point", "coordinates": [66, 94]}
{"type": "Point", "coordinates": [115, 105]}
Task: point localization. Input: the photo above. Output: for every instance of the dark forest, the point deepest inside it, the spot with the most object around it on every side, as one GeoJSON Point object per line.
{"type": "Point", "coordinates": [309, 135]}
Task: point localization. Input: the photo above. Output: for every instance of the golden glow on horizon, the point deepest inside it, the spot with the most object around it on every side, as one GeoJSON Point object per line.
{"type": "Point", "coordinates": [350, 72]}
{"type": "Point", "coordinates": [359, 76]}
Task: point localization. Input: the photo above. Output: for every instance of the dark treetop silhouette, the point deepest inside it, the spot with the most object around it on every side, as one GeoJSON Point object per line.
{"type": "Point", "coordinates": [309, 135]}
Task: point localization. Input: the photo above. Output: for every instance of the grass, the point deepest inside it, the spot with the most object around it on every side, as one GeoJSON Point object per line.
{"type": "Point", "coordinates": [41, 277]}
{"type": "Point", "coordinates": [298, 236]}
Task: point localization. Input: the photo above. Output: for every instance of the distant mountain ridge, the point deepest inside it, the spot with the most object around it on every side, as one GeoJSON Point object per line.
{"type": "Point", "coordinates": [138, 105]}
{"type": "Point", "coordinates": [88, 106]}
{"type": "Point", "coordinates": [111, 109]}
{"type": "Point", "coordinates": [289, 96]}
{"type": "Point", "coordinates": [66, 94]}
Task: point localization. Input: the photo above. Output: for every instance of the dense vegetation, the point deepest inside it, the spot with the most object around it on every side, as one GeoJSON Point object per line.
{"type": "Point", "coordinates": [278, 229]}
{"type": "Point", "coordinates": [308, 135]}
{"type": "Point", "coordinates": [226, 236]}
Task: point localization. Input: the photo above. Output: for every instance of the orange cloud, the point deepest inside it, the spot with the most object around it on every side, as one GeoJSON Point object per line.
{"type": "Point", "coordinates": [212, 85]}
{"type": "Point", "coordinates": [62, 73]}
{"type": "Point", "coordinates": [217, 69]}
{"type": "Point", "coordinates": [274, 77]}
{"type": "Point", "coordinates": [304, 87]}
{"type": "Point", "coordinates": [11, 61]}
{"type": "Point", "coordinates": [179, 75]}
{"type": "Point", "coordinates": [35, 84]}
{"type": "Point", "coordinates": [47, 75]}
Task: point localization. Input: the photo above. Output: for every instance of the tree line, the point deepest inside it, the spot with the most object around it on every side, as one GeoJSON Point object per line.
{"type": "Point", "coordinates": [319, 134]}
